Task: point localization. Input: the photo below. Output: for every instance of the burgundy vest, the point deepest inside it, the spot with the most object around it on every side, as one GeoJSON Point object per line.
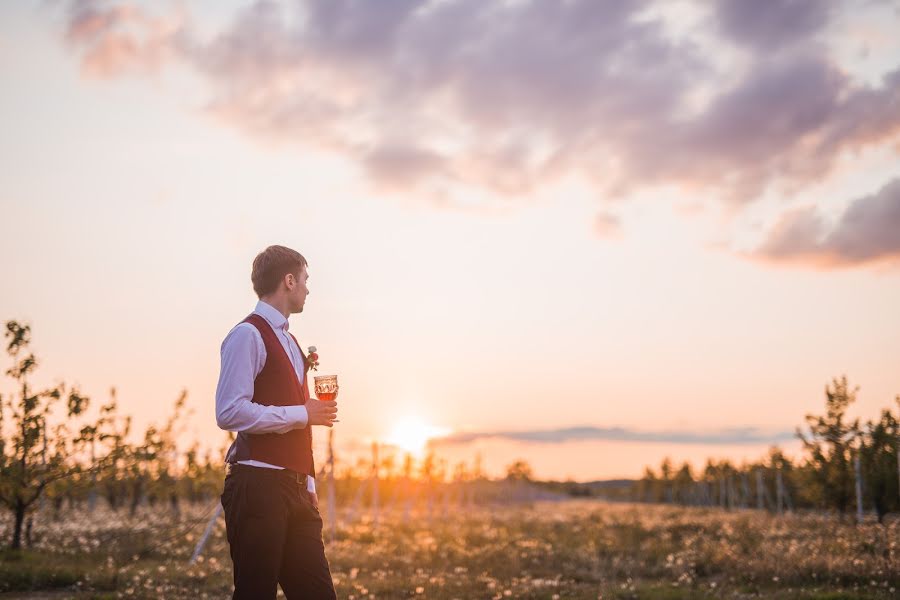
{"type": "Point", "coordinates": [277, 385]}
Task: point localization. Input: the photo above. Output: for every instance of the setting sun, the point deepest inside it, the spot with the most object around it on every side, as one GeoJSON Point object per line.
{"type": "Point", "coordinates": [411, 434]}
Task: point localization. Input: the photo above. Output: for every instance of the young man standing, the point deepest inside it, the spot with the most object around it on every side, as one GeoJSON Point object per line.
{"type": "Point", "coordinates": [272, 518]}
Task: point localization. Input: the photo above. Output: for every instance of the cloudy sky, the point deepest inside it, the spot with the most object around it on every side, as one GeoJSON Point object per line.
{"type": "Point", "coordinates": [588, 234]}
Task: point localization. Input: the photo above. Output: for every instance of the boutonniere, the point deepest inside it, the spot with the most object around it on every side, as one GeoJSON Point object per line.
{"type": "Point", "coordinates": [312, 358]}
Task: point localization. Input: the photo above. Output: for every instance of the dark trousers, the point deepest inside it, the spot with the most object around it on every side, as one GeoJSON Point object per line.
{"type": "Point", "coordinates": [275, 536]}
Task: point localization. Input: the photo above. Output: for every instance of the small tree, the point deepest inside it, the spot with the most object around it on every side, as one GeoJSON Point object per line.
{"type": "Point", "coordinates": [519, 471]}
{"type": "Point", "coordinates": [684, 484]}
{"type": "Point", "coordinates": [166, 455]}
{"type": "Point", "coordinates": [139, 467]}
{"type": "Point", "coordinates": [32, 454]}
{"type": "Point", "coordinates": [646, 486]}
{"type": "Point", "coordinates": [113, 477]}
{"type": "Point", "coordinates": [879, 463]}
{"type": "Point", "coordinates": [829, 445]}
{"type": "Point", "coordinates": [666, 473]}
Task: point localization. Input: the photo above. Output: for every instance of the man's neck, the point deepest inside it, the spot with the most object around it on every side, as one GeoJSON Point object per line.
{"type": "Point", "coordinates": [278, 303]}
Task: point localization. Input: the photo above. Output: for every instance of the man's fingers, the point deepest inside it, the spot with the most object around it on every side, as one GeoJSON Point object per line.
{"type": "Point", "coordinates": [323, 412]}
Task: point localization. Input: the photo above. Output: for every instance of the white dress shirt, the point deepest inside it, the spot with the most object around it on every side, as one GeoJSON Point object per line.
{"type": "Point", "coordinates": [243, 357]}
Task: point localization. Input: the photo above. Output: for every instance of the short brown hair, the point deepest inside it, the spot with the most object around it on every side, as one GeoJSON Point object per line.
{"type": "Point", "coordinates": [271, 265]}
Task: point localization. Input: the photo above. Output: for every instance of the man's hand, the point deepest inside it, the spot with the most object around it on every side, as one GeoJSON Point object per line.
{"type": "Point", "coordinates": [314, 497]}
{"type": "Point", "coordinates": [321, 412]}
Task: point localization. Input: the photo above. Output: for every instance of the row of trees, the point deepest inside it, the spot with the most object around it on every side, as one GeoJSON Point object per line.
{"type": "Point", "coordinates": [846, 465]}
{"type": "Point", "coordinates": [88, 457]}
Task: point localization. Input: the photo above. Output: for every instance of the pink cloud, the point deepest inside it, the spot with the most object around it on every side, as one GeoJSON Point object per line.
{"type": "Point", "coordinates": [121, 39]}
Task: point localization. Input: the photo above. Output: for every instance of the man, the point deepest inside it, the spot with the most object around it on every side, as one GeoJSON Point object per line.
{"type": "Point", "coordinates": [272, 518]}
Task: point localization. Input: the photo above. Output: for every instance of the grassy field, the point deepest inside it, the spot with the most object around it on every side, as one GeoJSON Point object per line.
{"type": "Point", "coordinates": [567, 549]}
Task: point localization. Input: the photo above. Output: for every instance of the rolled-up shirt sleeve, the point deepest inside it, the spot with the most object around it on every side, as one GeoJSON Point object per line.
{"type": "Point", "coordinates": [243, 357]}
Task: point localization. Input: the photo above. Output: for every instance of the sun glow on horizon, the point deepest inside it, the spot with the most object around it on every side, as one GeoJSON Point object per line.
{"type": "Point", "coordinates": [411, 434]}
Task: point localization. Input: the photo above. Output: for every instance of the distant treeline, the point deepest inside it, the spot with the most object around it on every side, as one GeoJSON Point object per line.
{"type": "Point", "coordinates": [846, 467]}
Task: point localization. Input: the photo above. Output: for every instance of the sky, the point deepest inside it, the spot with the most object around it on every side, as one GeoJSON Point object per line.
{"type": "Point", "coordinates": [585, 234]}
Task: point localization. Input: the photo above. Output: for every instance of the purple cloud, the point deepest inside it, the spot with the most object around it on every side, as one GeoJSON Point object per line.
{"type": "Point", "coordinates": [868, 231]}
{"type": "Point", "coordinates": [736, 435]}
{"type": "Point", "coordinates": [786, 121]}
{"type": "Point", "coordinates": [506, 97]}
{"type": "Point", "coordinates": [768, 26]}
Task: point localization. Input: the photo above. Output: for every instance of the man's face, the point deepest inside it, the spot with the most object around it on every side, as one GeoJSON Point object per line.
{"type": "Point", "coordinates": [298, 290]}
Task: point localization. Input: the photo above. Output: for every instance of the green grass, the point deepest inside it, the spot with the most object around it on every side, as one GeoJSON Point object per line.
{"type": "Point", "coordinates": [29, 570]}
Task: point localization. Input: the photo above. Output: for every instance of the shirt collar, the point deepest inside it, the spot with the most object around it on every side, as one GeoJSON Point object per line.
{"type": "Point", "coordinates": [272, 315]}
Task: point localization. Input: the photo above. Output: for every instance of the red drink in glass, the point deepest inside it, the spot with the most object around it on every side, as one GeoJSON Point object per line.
{"type": "Point", "coordinates": [326, 387]}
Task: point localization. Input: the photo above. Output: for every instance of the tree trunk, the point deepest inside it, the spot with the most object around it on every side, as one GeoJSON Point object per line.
{"type": "Point", "coordinates": [17, 531]}
{"type": "Point", "coordinates": [57, 507]}
{"type": "Point", "coordinates": [29, 525]}
{"type": "Point", "coordinates": [135, 496]}
{"type": "Point", "coordinates": [859, 498]}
